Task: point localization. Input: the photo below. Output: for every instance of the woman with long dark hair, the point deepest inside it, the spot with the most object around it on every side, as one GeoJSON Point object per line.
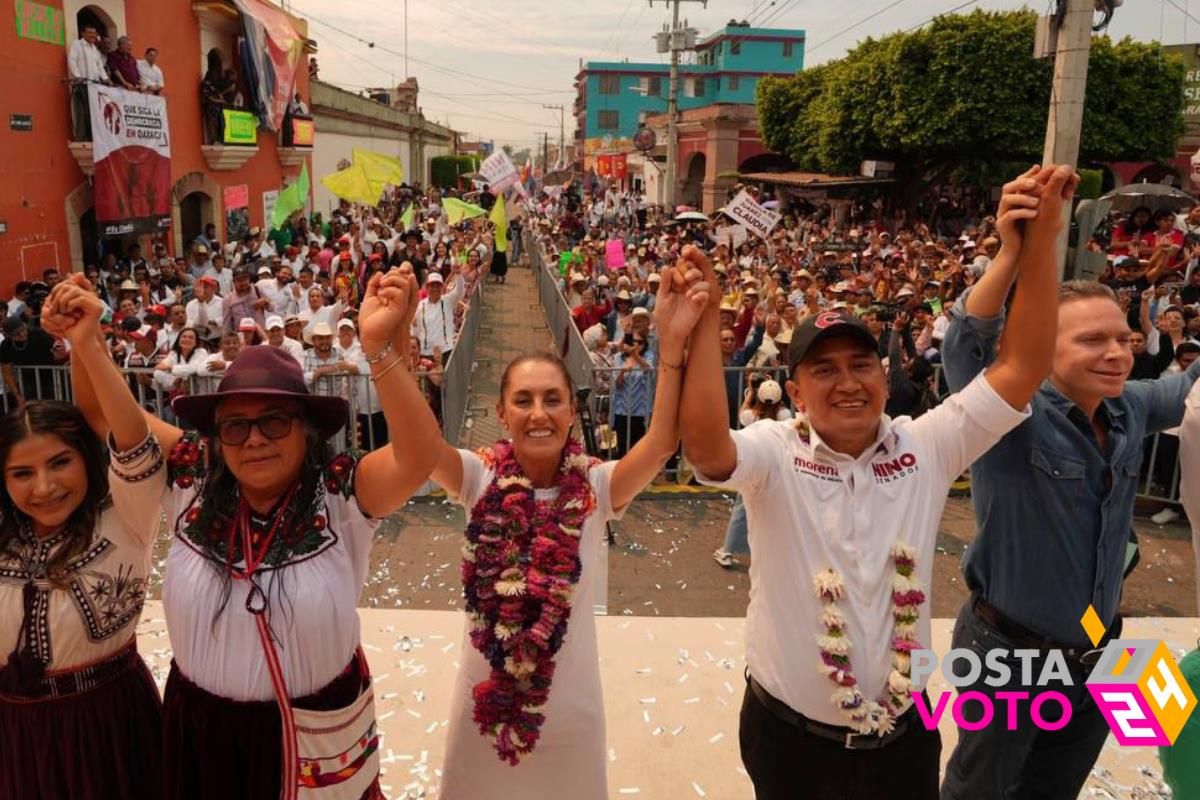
{"type": "Point", "coordinates": [528, 689]}
{"type": "Point", "coordinates": [1134, 235]}
{"type": "Point", "coordinates": [79, 713]}
{"type": "Point", "coordinates": [270, 539]}
{"type": "Point", "coordinates": [185, 360]}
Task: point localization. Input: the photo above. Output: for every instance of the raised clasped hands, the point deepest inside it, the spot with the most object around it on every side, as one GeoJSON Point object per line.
{"type": "Point", "coordinates": [683, 295]}
{"type": "Point", "coordinates": [72, 311]}
{"type": "Point", "coordinates": [387, 310]}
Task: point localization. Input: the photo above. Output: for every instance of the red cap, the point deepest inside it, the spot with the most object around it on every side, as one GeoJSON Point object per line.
{"type": "Point", "coordinates": [209, 279]}
{"type": "Point", "coordinates": [345, 257]}
{"type": "Point", "coordinates": [375, 257]}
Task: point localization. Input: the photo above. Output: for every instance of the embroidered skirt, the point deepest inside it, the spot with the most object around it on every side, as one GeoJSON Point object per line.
{"type": "Point", "coordinates": [221, 749]}
{"type": "Point", "coordinates": [104, 743]}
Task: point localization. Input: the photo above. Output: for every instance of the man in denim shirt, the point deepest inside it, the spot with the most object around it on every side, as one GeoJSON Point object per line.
{"type": "Point", "coordinates": [1053, 502]}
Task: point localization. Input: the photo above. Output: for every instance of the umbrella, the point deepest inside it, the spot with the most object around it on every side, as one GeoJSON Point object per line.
{"type": "Point", "coordinates": [1154, 196]}
{"type": "Point", "coordinates": [691, 216]}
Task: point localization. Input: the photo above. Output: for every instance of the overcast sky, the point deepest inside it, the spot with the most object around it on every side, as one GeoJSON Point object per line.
{"type": "Point", "coordinates": [487, 67]}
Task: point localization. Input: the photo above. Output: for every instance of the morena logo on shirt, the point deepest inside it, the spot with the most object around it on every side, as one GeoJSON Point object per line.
{"type": "Point", "coordinates": [815, 469]}
{"type": "Point", "coordinates": [901, 466]}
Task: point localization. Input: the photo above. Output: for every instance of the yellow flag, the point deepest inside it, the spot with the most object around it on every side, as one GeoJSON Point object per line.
{"type": "Point", "coordinates": [458, 210]}
{"type": "Point", "coordinates": [501, 220]}
{"type": "Point", "coordinates": [406, 219]}
{"type": "Point", "coordinates": [377, 166]}
{"type": "Point", "coordinates": [351, 184]}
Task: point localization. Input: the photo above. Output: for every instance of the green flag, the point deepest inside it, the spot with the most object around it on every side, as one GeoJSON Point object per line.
{"type": "Point", "coordinates": [406, 219]}
{"type": "Point", "coordinates": [291, 199]}
{"type": "Point", "coordinates": [457, 210]}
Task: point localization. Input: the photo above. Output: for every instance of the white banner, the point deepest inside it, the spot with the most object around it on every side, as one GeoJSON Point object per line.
{"type": "Point", "coordinates": [746, 210]}
{"type": "Point", "coordinates": [127, 119]}
{"type": "Point", "coordinates": [738, 233]}
{"type": "Point", "coordinates": [499, 171]}
{"type": "Point", "coordinates": [269, 200]}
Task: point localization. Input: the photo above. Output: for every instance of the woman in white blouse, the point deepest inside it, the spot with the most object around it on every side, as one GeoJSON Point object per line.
{"type": "Point", "coordinates": [527, 715]}
{"type": "Point", "coordinates": [79, 713]}
{"type": "Point", "coordinates": [270, 540]}
{"type": "Point", "coordinates": [185, 360]}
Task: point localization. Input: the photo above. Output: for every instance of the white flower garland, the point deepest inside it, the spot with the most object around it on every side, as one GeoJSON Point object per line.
{"type": "Point", "coordinates": [863, 715]}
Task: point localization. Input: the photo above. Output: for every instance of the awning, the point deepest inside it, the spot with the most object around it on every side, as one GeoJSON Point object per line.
{"type": "Point", "coordinates": [813, 180]}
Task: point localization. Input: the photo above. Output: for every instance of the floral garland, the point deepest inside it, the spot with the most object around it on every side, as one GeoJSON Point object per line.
{"type": "Point", "coordinates": [869, 716]}
{"type": "Point", "coordinates": [209, 519]}
{"type": "Point", "coordinates": [520, 567]}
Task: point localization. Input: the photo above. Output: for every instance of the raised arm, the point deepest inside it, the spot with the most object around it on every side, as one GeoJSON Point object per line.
{"type": "Point", "coordinates": [78, 313]}
{"type": "Point", "coordinates": [1026, 351]}
{"type": "Point", "coordinates": [387, 477]}
{"type": "Point", "coordinates": [682, 298]}
{"type": "Point", "coordinates": [1018, 202]}
{"type": "Point", "coordinates": [704, 411]}
{"type": "Point", "coordinates": [93, 401]}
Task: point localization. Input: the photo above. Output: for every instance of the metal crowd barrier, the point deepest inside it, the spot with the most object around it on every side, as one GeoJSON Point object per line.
{"type": "Point", "coordinates": [567, 338]}
{"type": "Point", "coordinates": [456, 377]}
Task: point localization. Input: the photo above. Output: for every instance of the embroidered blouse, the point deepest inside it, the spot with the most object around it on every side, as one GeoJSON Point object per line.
{"type": "Point", "coordinates": [95, 612]}
{"type": "Point", "coordinates": [310, 578]}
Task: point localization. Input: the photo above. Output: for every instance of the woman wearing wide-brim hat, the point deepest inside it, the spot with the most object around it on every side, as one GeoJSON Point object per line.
{"type": "Point", "coordinates": [271, 535]}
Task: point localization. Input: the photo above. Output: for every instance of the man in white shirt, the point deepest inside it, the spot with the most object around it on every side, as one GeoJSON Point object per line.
{"type": "Point", "coordinates": [149, 73]}
{"type": "Point", "coordinates": [221, 273]}
{"type": "Point", "coordinates": [214, 367]}
{"type": "Point", "coordinates": [277, 287]}
{"type": "Point", "coordinates": [277, 338]}
{"type": "Point", "coordinates": [205, 311]}
{"type": "Point", "coordinates": [844, 504]}
{"type": "Point", "coordinates": [322, 362]}
{"type": "Point", "coordinates": [434, 325]}
{"type": "Point", "coordinates": [85, 63]}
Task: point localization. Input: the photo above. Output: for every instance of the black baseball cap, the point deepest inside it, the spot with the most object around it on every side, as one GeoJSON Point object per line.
{"type": "Point", "coordinates": [826, 325]}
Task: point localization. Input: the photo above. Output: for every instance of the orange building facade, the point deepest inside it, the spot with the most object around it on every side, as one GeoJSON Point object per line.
{"type": "Point", "coordinates": [46, 202]}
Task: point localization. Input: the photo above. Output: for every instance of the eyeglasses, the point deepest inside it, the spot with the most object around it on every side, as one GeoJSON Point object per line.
{"type": "Point", "coordinates": [234, 432]}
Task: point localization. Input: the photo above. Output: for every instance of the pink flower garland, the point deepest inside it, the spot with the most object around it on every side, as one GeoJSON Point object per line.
{"type": "Point", "coordinates": [520, 567]}
{"type": "Point", "coordinates": [868, 716]}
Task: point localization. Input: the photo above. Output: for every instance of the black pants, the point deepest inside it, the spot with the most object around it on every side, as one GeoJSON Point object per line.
{"type": "Point", "coordinates": [1030, 764]}
{"type": "Point", "coordinates": [630, 431]}
{"type": "Point", "coordinates": [787, 764]}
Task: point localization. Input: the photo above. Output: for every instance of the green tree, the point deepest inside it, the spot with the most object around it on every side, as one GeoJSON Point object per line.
{"type": "Point", "coordinates": [965, 96]}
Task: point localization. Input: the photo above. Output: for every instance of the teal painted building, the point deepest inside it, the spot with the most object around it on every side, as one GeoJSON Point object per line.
{"type": "Point", "coordinates": [613, 99]}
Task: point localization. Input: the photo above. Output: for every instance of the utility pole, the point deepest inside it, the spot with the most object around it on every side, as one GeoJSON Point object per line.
{"type": "Point", "coordinates": [1073, 44]}
{"type": "Point", "coordinates": [677, 39]}
{"type": "Point", "coordinates": [561, 141]}
{"type": "Point", "coordinates": [545, 153]}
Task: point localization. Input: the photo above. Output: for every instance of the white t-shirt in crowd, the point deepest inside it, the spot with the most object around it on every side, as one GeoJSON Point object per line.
{"type": "Point", "coordinates": [151, 76]}
{"type": "Point", "coordinates": [809, 508]}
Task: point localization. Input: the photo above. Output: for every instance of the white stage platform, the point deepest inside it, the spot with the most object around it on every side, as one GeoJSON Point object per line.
{"type": "Point", "coordinates": [673, 688]}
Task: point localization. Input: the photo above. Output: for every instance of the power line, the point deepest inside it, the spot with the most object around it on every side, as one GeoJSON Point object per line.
{"type": "Point", "coordinates": [956, 9]}
{"type": "Point", "coordinates": [846, 30]}
{"type": "Point", "coordinates": [1186, 13]}
{"type": "Point", "coordinates": [618, 44]}
{"type": "Point", "coordinates": [617, 27]}
{"type": "Point", "coordinates": [429, 64]}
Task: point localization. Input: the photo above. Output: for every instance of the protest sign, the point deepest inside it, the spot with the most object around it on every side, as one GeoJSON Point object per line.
{"type": "Point", "coordinates": [746, 210]}
{"type": "Point", "coordinates": [131, 145]}
{"type": "Point", "coordinates": [614, 254]}
{"type": "Point", "coordinates": [499, 171]}
{"type": "Point", "coordinates": [725, 233]}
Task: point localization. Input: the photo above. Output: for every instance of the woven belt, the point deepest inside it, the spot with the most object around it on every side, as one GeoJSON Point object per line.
{"type": "Point", "coordinates": [1026, 639]}
{"type": "Point", "coordinates": [65, 683]}
{"type": "Point", "coordinates": [846, 737]}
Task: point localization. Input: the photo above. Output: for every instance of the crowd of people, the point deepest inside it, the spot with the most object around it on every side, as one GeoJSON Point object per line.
{"type": "Point", "coordinates": [900, 272]}
{"type": "Point", "coordinates": [176, 324]}
{"type": "Point", "coordinates": [270, 525]}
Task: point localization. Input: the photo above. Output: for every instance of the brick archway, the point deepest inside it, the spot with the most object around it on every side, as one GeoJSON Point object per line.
{"type": "Point", "coordinates": [77, 203]}
{"type": "Point", "coordinates": [188, 184]}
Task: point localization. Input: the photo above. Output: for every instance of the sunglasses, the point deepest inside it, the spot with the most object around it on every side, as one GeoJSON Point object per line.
{"type": "Point", "coordinates": [234, 432]}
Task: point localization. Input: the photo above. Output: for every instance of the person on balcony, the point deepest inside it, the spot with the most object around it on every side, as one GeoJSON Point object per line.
{"type": "Point", "coordinates": [123, 67]}
{"type": "Point", "coordinates": [85, 64]}
{"type": "Point", "coordinates": [150, 75]}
